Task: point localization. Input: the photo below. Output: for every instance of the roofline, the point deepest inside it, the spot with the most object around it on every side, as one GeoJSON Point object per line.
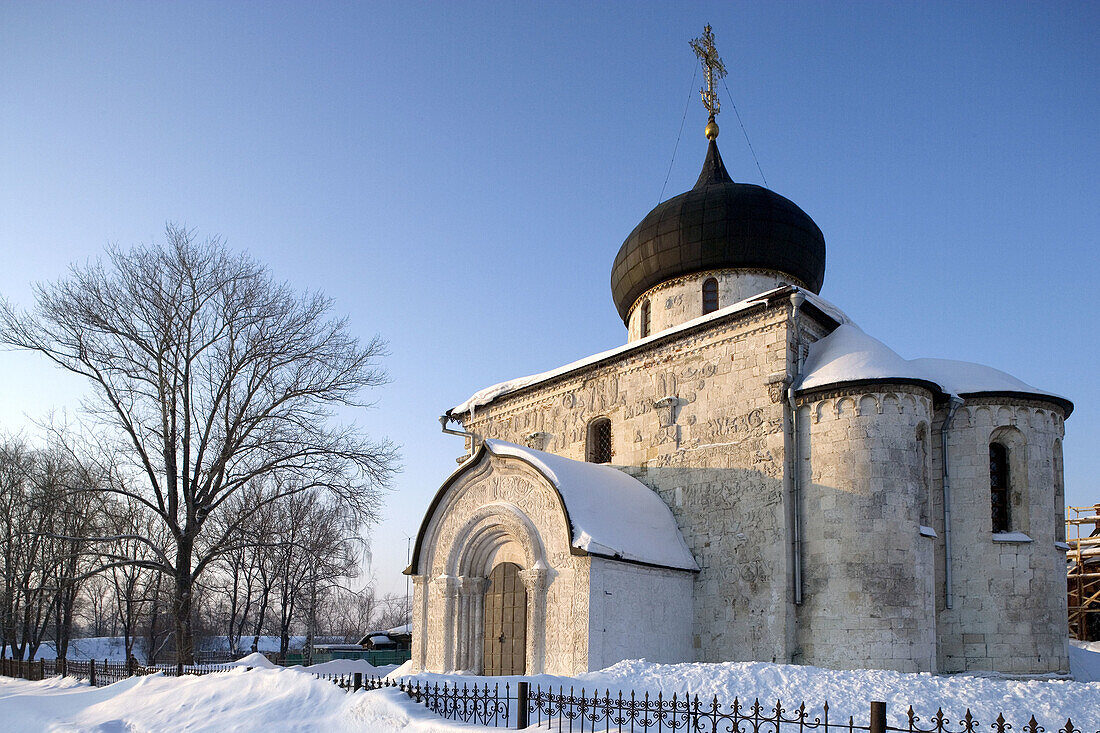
{"type": "Point", "coordinates": [763, 304]}
{"type": "Point", "coordinates": [853, 383]}
{"type": "Point", "coordinates": [820, 316]}
{"type": "Point", "coordinates": [1066, 405]}
{"type": "Point", "coordinates": [482, 450]}
{"type": "Point", "coordinates": [938, 392]}
{"type": "Point", "coordinates": [468, 463]}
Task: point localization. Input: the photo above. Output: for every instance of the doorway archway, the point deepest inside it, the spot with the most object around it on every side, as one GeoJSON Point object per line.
{"type": "Point", "coordinates": [505, 622]}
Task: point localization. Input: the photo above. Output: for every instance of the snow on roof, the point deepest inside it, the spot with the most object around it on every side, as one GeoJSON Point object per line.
{"type": "Point", "coordinates": [487, 395]}
{"type": "Point", "coordinates": [825, 306]}
{"type": "Point", "coordinates": [850, 355]}
{"type": "Point", "coordinates": [613, 514]}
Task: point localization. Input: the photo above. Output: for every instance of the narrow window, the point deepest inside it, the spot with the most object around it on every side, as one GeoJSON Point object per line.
{"type": "Point", "coordinates": [923, 489]}
{"type": "Point", "coordinates": [599, 441]}
{"type": "Point", "coordinates": [998, 486]}
{"type": "Point", "coordinates": [645, 319]}
{"type": "Point", "coordinates": [1059, 495]}
{"type": "Point", "coordinates": [710, 296]}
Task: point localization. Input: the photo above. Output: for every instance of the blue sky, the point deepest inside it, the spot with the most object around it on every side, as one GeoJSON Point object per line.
{"type": "Point", "coordinates": [459, 177]}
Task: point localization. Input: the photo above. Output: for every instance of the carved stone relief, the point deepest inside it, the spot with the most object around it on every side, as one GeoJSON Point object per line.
{"type": "Point", "coordinates": [507, 503]}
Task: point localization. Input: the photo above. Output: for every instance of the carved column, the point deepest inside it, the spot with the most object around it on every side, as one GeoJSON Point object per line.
{"type": "Point", "coordinates": [448, 591]}
{"type": "Point", "coordinates": [471, 622]}
{"type": "Point", "coordinates": [535, 581]}
{"type": "Point", "coordinates": [420, 622]}
{"type": "Point", "coordinates": [462, 625]}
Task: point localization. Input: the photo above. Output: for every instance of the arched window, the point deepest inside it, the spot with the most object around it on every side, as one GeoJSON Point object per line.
{"type": "Point", "coordinates": [598, 449]}
{"type": "Point", "coordinates": [1059, 495]}
{"type": "Point", "coordinates": [710, 296]}
{"type": "Point", "coordinates": [924, 490]}
{"type": "Point", "coordinates": [644, 318]}
{"type": "Point", "coordinates": [999, 486]}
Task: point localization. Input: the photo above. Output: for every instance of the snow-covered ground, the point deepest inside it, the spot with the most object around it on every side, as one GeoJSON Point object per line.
{"type": "Point", "coordinates": [1084, 660]}
{"type": "Point", "coordinates": [237, 700]}
{"type": "Point", "coordinates": [293, 700]}
{"type": "Point", "coordinates": [112, 648]}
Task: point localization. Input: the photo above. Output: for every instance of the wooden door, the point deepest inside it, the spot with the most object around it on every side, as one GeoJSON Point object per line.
{"type": "Point", "coordinates": [505, 622]}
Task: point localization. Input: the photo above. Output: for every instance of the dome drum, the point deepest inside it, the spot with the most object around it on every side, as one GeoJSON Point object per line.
{"type": "Point", "coordinates": [718, 224]}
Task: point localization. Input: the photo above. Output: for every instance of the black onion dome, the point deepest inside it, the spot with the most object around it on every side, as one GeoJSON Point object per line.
{"type": "Point", "coordinates": [718, 224]}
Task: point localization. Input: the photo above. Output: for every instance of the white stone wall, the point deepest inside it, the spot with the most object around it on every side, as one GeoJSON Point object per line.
{"type": "Point", "coordinates": [638, 612]}
{"type": "Point", "coordinates": [701, 419]}
{"type": "Point", "coordinates": [867, 570]}
{"type": "Point", "coordinates": [681, 299]}
{"type": "Point", "coordinates": [714, 452]}
{"type": "Point", "coordinates": [1009, 610]}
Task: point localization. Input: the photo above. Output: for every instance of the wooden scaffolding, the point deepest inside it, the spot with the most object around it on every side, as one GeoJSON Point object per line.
{"type": "Point", "coordinates": [1083, 571]}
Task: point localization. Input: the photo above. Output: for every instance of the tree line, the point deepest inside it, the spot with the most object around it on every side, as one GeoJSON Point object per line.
{"type": "Point", "coordinates": [210, 485]}
{"type": "Point", "coordinates": [291, 572]}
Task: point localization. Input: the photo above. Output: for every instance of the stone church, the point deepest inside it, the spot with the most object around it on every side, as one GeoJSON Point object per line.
{"type": "Point", "coordinates": [750, 477]}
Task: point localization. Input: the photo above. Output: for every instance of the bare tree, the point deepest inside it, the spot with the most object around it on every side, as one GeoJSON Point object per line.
{"type": "Point", "coordinates": [42, 565]}
{"type": "Point", "coordinates": [97, 609]}
{"type": "Point", "coordinates": [210, 375]}
{"type": "Point", "coordinates": [157, 627]}
{"type": "Point", "coordinates": [351, 613]}
{"type": "Point", "coordinates": [16, 477]}
{"type": "Point", "coordinates": [75, 513]}
{"type": "Point", "coordinates": [135, 586]}
{"type": "Point", "coordinates": [392, 611]}
{"type": "Point", "coordinates": [242, 578]}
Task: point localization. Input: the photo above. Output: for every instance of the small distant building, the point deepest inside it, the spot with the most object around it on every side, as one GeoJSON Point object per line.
{"type": "Point", "coordinates": [399, 637]}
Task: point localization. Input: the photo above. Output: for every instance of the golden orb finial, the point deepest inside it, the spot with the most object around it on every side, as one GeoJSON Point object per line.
{"type": "Point", "coordinates": [711, 130]}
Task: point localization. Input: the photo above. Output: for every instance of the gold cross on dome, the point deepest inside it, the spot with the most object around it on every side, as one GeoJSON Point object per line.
{"type": "Point", "coordinates": [713, 69]}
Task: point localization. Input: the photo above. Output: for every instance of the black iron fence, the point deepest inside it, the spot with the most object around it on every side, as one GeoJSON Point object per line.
{"type": "Point", "coordinates": [98, 673]}
{"type": "Point", "coordinates": [101, 674]}
{"type": "Point", "coordinates": [580, 712]}
{"type": "Point", "coordinates": [570, 711]}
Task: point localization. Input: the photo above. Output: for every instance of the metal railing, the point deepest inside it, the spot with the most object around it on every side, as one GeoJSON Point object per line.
{"type": "Point", "coordinates": [98, 673]}
{"type": "Point", "coordinates": [580, 712]}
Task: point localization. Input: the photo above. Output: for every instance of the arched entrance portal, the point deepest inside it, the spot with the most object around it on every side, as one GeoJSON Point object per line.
{"type": "Point", "coordinates": [505, 619]}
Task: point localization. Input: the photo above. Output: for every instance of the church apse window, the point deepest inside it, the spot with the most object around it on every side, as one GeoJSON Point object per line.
{"type": "Point", "coordinates": [923, 489]}
{"type": "Point", "coordinates": [1059, 494]}
{"type": "Point", "coordinates": [710, 296]}
{"type": "Point", "coordinates": [598, 449]}
{"type": "Point", "coordinates": [999, 486]}
{"type": "Point", "coordinates": [644, 319]}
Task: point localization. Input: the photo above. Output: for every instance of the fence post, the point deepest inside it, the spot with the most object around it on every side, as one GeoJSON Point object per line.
{"type": "Point", "coordinates": [91, 672]}
{"type": "Point", "coordinates": [41, 668]}
{"type": "Point", "coordinates": [522, 692]}
{"type": "Point", "coordinates": [878, 717]}
{"type": "Point", "coordinates": [357, 682]}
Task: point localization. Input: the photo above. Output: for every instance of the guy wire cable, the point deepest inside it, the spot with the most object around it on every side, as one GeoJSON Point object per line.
{"type": "Point", "coordinates": [691, 91]}
{"type": "Point", "coordinates": [743, 130]}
